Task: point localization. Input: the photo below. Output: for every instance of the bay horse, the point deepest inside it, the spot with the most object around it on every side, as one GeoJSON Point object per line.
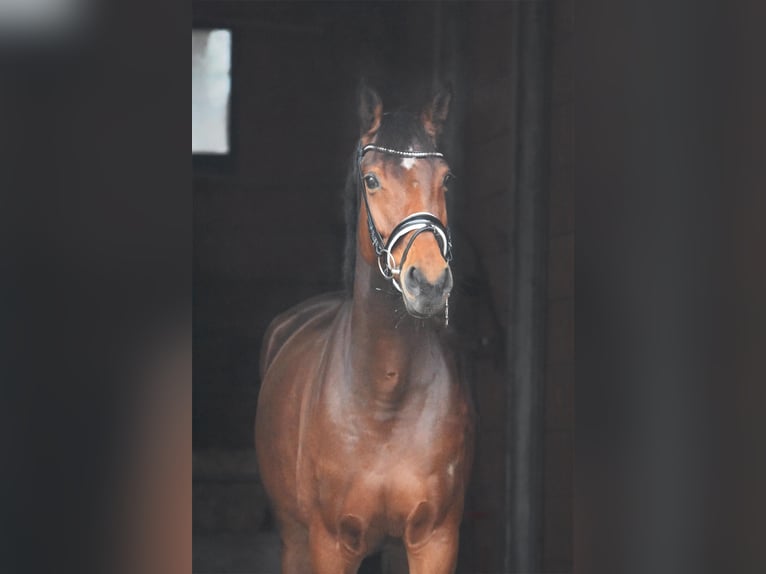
{"type": "Point", "coordinates": [364, 430]}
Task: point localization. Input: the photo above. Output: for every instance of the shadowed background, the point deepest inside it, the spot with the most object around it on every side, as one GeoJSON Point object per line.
{"type": "Point", "coordinates": [269, 232]}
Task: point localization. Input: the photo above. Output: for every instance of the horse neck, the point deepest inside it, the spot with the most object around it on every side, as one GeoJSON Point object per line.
{"type": "Point", "coordinates": [386, 343]}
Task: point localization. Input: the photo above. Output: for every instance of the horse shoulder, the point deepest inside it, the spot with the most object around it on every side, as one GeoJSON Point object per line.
{"type": "Point", "coordinates": [288, 323]}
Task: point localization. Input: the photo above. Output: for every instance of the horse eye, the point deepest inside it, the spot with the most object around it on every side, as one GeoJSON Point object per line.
{"type": "Point", "coordinates": [371, 181]}
{"type": "Point", "coordinates": [449, 179]}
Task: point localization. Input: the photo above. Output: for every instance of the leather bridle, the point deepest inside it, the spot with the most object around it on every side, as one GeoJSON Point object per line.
{"type": "Point", "coordinates": [418, 223]}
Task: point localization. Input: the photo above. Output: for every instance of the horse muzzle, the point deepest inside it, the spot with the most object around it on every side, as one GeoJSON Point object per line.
{"type": "Point", "coordinates": [425, 297]}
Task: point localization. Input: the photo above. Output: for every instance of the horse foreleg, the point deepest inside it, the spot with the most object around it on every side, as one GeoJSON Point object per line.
{"type": "Point", "coordinates": [329, 555]}
{"type": "Point", "coordinates": [295, 547]}
{"type": "Point", "coordinates": [438, 555]}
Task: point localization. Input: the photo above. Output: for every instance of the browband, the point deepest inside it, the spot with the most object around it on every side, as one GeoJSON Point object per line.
{"type": "Point", "coordinates": [414, 154]}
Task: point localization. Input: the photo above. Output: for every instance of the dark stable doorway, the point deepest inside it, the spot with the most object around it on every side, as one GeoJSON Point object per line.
{"type": "Point", "coordinates": [269, 233]}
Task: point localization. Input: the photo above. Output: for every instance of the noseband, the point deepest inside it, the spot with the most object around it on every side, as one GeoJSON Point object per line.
{"type": "Point", "coordinates": [418, 222]}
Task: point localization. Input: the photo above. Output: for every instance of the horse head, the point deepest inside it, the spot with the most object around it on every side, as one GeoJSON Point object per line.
{"type": "Point", "coordinates": [403, 181]}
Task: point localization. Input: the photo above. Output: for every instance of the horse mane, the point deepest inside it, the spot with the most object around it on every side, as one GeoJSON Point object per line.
{"type": "Point", "coordinates": [398, 130]}
{"type": "Point", "coordinates": [351, 213]}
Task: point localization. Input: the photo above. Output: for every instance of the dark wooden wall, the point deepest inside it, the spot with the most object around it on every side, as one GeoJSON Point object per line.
{"type": "Point", "coordinates": [487, 208]}
{"type": "Point", "coordinates": [269, 225]}
{"type": "Point", "coordinates": [560, 357]}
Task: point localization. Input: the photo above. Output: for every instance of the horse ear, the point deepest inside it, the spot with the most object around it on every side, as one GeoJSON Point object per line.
{"type": "Point", "coordinates": [370, 110]}
{"type": "Point", "coordinates": [435, 113]}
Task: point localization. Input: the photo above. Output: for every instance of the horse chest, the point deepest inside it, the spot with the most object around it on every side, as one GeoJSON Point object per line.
{"type": "Point", "coordinates": [373, 504]}
{"type": "Point", "coordinates": [383, 488]}
{"type": "Point", "coordinates": [387, 463]}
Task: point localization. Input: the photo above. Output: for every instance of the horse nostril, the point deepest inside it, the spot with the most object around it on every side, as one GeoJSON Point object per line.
{"type": "Point", "coordinates": [415, 278]}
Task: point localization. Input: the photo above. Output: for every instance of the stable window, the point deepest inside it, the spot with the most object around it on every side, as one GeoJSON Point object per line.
{"type": "Point", "coordinates": [211, 90]}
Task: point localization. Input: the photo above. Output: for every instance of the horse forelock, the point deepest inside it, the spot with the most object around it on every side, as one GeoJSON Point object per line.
{"type": "Point", "coordinates": [403, 130]}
